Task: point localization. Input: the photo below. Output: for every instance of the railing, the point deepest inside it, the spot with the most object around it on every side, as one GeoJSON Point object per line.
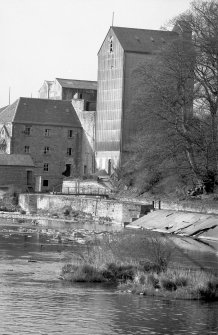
{"type": "Point", "coordinates": [86, 191]}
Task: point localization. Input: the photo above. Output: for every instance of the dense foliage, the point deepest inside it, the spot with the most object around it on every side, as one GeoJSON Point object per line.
{"type": "Point", "coordinates": [176, 104]}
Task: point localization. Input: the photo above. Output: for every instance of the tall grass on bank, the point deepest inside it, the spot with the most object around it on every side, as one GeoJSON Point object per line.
{"type": "Point", "coordinates": [139, 264]}
{"type": "Point", "coordinates": [180, 284]}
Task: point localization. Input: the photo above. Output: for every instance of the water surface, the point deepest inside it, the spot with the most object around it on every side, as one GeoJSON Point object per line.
{"type": "Point", "coordinates": [34, 301]}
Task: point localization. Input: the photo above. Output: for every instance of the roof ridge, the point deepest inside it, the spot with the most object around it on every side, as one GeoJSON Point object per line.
{"type": "Point", "coordinates": [159, 30]}
{"type": "Point", "coordinates": [76, 79]}
{"type": "Point", "coordinates": [17, 103]}
{"type": "Point", "coordinates": [46, 99]}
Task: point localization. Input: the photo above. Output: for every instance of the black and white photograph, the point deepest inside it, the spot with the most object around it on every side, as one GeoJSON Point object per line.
{"type": "Point", "coordinates": [109, 167]}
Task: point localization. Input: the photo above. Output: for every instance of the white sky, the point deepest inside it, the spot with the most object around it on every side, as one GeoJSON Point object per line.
{"type": "Point", "coordinates": [44, 39]}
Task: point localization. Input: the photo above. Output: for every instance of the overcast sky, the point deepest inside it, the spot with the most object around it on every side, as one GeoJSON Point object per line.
{"type": "Point", "coordinates": [44, 39]}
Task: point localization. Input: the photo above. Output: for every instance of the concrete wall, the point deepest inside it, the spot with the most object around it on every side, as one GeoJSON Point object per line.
{"type": "Point", "coordinates": [77, 185]}
{"type": "Point", "coordinates": [57, 156]}
{"type": "Point", "coordinates": [81, 93]}
{"type": "Point", "coordinates": [117, 211]}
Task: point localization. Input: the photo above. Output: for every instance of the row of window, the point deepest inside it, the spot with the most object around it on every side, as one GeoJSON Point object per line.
{"type": "Point", "coordinates": [47, 132]}
{"type": "Point", "coordinates": [47, 150]}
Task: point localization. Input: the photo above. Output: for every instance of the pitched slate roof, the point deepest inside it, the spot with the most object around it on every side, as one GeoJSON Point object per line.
{"type": "Point", "coordinates": [143, 40]}
{"type": "Point", "coordinates": [7, 115]}
{"type": "Point", "coordinates": [2, 108]}
{"type": "Point", "coordinates": [80, 84]}
{"type": "Point", "coordinates": [41, 111]}
{"type": "Point", "coordinates": [16, 160]}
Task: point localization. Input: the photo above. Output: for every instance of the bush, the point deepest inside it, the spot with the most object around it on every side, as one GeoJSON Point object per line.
{"type": "Point", "coordinates": [168, 284]}
{"type": "Point", "coordinates": [67, 212]}
{"type": "Point", "coordinates": [82, 273]}
{"type": "Point", "coordinates": [119, 272]}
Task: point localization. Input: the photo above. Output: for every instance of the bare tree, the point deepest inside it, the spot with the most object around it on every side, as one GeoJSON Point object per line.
{"type": "Point", "coordinates": [176, 98]}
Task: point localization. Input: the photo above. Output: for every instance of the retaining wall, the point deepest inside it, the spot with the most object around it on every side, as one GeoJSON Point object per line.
{"type": "Point", "coordinates": [117, 211]}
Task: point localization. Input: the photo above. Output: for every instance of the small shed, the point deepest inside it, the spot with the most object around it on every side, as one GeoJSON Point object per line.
{"type": "Point", "coordinates": [16, 174]}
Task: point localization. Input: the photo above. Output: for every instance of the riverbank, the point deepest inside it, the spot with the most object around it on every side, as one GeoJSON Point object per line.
{"type": "Point", "coordinates": [141, 264]}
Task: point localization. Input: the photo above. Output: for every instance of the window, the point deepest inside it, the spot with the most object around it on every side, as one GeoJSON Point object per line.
{"type": "Point", "coordinates": [27, 149]}
{"type": "Point", "coordinates": [46, 150]}
{"type": "Point", "coordinates": [29, 177]}
{"type": "Point", "coordinates": [85, 170]}
{"type": "Point", "coordinates": [45, 168]}
{"type": "Point", "coordinates": [111, 44]}
{"type": "Point", "coordinates": [47, 132]}
{"type": "Point", "coordinates": [45, 182]}
{"type": "Point", "coordinates": [70, 133]}
{"type": "Point", "coordinates": [69, 151]}
{"type": "Point", "coordinates": [27, 130]}
{"type": "Point", "coordinates": [67, 171]}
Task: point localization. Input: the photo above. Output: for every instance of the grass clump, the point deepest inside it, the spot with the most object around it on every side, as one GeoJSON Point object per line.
{"type": "Point", "coordinates": [89, 273]}
{"type": "Point", "coordinates": [180, 284]}
{"type": "Point", "coordinates": [139, 265]}
{"type": "Point", "coordinates": [82, 273]}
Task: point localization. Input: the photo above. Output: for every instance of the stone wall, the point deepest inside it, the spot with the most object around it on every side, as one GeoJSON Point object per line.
{"type": "Point", "coordinates": [13, 178]}
{"type": "Point", "coordinates": [117, 211]}
{"type": "Point", "coordinates": [56, 157]}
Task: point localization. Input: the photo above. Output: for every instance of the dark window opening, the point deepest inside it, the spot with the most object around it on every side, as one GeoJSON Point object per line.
{"type": "Point", "coordinates": [111, 44]}
{"type": "Point", "coordinates": [45, 182]}
{"type": "Point", "coordinates": [45, 168]}
{"type": "Point", "coordinates": [26, 149]}
{"type": "Point", "coordinates": [29, 178]}
{"type": "Point", "coordinates": [70, 133]}
{"type": "Point", "coordinates": [46, 150]}
{"type": "Point", "coordinates": [27, 130]}
{"type": "Point", "coordinates": [69, 151]}
{"type": "Point", "coordinates": [67, 172]}
{"type": "Point", "coordinates": [85, 170]}
{"type": "Point", "coordinates": [109, 167]}
{"type": "Point", "coordinates": [47, 132]}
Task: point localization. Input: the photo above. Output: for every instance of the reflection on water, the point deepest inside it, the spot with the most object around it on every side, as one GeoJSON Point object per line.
{"type": "Point", "coordinates": [34, 301]}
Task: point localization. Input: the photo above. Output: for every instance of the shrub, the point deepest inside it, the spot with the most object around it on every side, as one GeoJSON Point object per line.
{"type": "Point", "coordinates": [119, 272]}
{"type": "Point", "coordinates": [168, 284]}
{"type": "Point", "coordinates": [67, 212]}
{"type": "Point", "coordinates": [209, 291]}
{"type": "Point", "coordinates": [82, 273]}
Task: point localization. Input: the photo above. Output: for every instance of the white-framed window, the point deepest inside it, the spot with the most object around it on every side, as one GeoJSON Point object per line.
{"type": "Point", "coordinates": [27, 149]}
{"type": "Point", "coordinates": [47, 132]}
{"type": "Point", "coordinates": [27, 130]}
{"type": "Point", "coordinates": [46, 150]}
{"type": "Point", "coordinates": [70, 133]}
{"type": "Point", "coordinates": [45, 167]}
{"type": "Point", "coordinates": [69, 151]}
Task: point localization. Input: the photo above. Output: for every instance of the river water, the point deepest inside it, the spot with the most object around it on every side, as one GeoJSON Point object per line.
{"type": "Point", "coordinates": [34, 301]}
